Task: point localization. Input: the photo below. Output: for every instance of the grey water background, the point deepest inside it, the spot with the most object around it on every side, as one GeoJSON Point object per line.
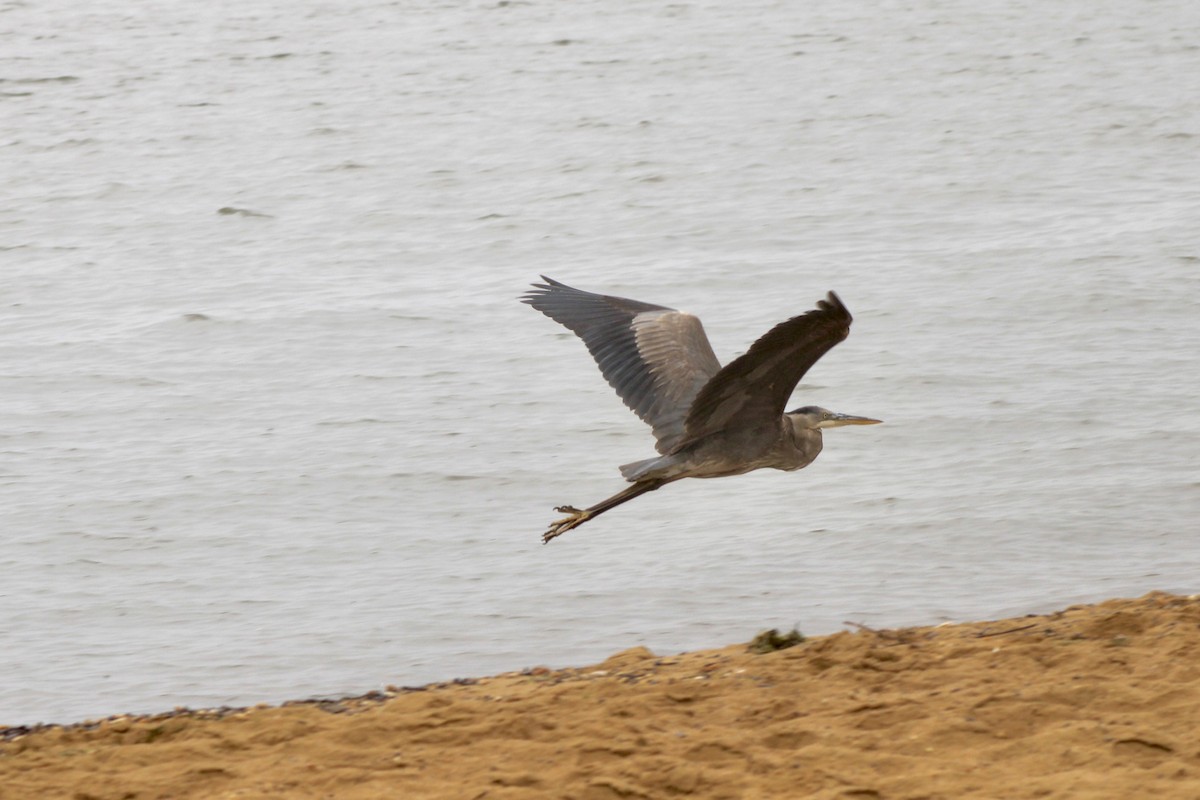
{"type": "Point", "coordinates": [273, 424]}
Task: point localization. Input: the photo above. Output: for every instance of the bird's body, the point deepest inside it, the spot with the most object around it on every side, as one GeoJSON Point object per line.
{"type": "Point", "coordinates": [734, 452]}
{"type": "Point", "coordinates": [709, 421]}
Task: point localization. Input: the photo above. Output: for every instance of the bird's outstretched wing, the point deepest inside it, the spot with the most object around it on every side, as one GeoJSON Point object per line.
{"type": "Point", "coordinates": [754, 388]}
{"type": "Point", "coordinates": [657, 358]}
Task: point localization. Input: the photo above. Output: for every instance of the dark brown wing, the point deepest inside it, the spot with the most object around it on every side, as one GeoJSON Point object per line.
{"type": "Point", "coordinates": [656, 358]}
{"type": "Point", "coordinates": [754, 389]}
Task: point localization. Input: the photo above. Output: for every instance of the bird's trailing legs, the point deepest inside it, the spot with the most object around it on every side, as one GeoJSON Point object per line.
{"type": "Point", "coordinates": [576, 517]}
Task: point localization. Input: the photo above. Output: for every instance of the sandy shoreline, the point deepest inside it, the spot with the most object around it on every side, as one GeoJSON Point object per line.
{"type": "Point", "coordinates": [1093, 701]}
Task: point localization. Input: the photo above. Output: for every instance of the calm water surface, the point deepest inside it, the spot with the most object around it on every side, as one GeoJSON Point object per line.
{"type": "Point", "coordinates": [274, 425]}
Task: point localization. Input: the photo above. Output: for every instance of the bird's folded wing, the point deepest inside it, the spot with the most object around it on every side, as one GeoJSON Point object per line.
{"type": "Point", "coordinates": [754, 389]}
{"type": "Point", "coordinates": [655, 357]}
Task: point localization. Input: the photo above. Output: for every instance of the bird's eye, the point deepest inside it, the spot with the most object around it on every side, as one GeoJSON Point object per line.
{"type": "Point", "coordinates": [825, 415]}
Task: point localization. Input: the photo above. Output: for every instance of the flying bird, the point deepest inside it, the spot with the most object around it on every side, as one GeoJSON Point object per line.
{"type": "Point", "coordinates": [709, 421]}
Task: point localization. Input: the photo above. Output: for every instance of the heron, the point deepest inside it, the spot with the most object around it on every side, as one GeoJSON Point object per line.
{"type": "Point", "coordinates": [708, 421]}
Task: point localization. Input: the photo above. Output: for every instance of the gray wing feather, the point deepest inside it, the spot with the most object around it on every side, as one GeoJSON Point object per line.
{"type": "Point", "coordinates": [754, 389]}
{"type": "Point", "coordinates": [655, 357]}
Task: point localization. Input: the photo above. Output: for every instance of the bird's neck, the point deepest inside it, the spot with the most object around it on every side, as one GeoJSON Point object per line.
{"type": "Point", "coordinates": [805, 439]}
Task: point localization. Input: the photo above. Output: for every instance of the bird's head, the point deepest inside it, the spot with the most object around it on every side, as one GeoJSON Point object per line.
{"type": "Point", "coordinates": [814, 417]}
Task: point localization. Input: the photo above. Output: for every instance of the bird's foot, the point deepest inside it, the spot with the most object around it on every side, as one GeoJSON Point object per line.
{"type": "Point", "coordinates": [575, 517]}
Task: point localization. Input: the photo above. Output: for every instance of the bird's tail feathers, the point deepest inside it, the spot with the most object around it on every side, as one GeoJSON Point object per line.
{"type": "Point", "coordinates": [639, 470]}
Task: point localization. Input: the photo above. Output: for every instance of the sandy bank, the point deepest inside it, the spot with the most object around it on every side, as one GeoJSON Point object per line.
{"type": "Point", "coordinates": [1098, 701]}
